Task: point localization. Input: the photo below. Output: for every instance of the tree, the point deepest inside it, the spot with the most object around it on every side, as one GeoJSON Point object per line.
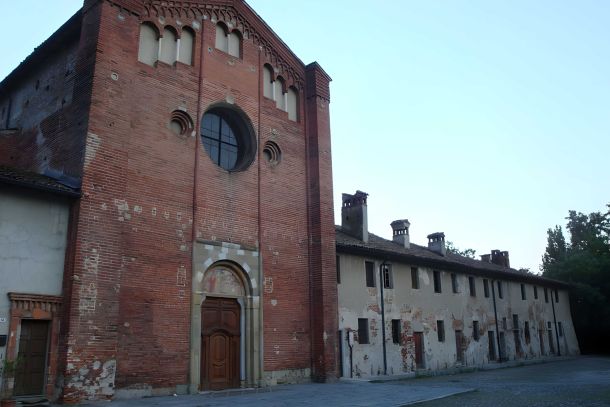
{"type": "Point", "coordinates": [584, 263]}
{"type": "Point", "coordinates": [466, 252]}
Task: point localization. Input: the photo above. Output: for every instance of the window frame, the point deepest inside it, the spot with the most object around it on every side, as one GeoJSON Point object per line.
{"type": "Point", "coordinates": [523, 294]}
{"type": "Point", "coordinates": [454, 283]}
{"type": "Point", "coordinates": [369, 275]}
{"type": "Point", "coordinates": [475, 330]}
{"type": "Point", "coordinates": [486, 288]}
{"type": "Point", "coordinates": [440, 330]}
{"type": "Point", "coordinates": [438, 285]}
{"type": "Point", "coordinates": [396, 330]}
{"type": "Point", "coordinates": [242, 130]}
{"type": "Point", "coordinates": [363, 331]}
{"type": "Point", "coordinates": [415, 278]}
{"type": "Point", "coordinates": [388, 276]}
{"type": "Point", "coordinates": [472, 286]}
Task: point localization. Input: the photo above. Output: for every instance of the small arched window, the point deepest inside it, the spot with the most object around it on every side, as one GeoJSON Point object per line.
{"type": "Point", "coordinates": [268, 81]}
{"type": "Point", "coordinates": [280, 96]}
{"type": "Point", "coordinates": [169, 46]}
{"type": "Point", "coordinates": [293, 104]}
{"type": "Point", "coordinates": [222, 39]}
{"type": "Point", "coordinates": [185, 53]}
{"type": "Point", "coordinates": [235, 44]}
{"type": "Point", "coordinates": [148, 50]}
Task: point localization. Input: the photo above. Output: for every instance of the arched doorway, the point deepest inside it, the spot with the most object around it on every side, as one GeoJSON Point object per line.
{"type": "Point", "coordinates": [225, 327]}
{"type": "Point", "coordinates": [220, 343]}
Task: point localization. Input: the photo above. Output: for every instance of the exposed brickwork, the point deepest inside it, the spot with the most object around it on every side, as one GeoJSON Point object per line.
{"type": "Point", "coordinates": [147, 193]}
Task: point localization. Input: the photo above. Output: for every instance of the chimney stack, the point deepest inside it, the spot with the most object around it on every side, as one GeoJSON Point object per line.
{"type": "Point", "coordinates": [400, 232]}
{"type": "Point", "coordinates": [436, 243]}
{"type": "Point", "coordinates": [500, 258]}
{"type": "Point", "coordinates": [486, 258]}
{"type": "Point", "coordinates": [354, 218]}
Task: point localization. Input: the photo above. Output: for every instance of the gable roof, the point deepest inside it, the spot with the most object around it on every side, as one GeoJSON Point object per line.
{"type": "Point", "coordinates": [380, 248]}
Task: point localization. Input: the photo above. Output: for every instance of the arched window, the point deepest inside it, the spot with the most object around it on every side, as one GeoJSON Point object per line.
{"type": "Point", "coordinates": [148, 50]}
{"type": "Point", "coordinates": [292, 100]}
{"type": "Point", "coordinates": [235, 44]}
{"type": "Point", "coordinates": [185, 53]}
{"type": "Point", "coordinates": [268, 81]}
{"type": "Point", "coordinates": [169, 46]}
{"type": "Point", "coordinates": [228, 137]}
{"type": "Point", "coordinates": [222, 39]}
{"type": "Point", "coordinates": [280, 96]}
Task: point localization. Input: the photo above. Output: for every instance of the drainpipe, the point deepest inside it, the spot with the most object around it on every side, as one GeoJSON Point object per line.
{"type": "Point", "coordinates": [555, 321]}
{"type": "Point", "coordinates": [493, 295]}
{"type": "Point", "coordinates": [385, 360]}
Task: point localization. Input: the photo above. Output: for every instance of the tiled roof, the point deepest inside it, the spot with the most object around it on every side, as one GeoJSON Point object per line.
{"type": "Point", "coordinates": [33, 180]}
{"type": "Point", "coordinates": [381, 248]}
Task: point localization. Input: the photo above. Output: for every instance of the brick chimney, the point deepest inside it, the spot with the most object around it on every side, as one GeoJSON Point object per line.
{"type": "Point", "coordinates": [500, 258]}
{"type": "Point", "coordinates": [486, 258]}
{"type": "Point", "coordinates": [400, 232]}
{"type": "Point", "coordinates": [354, 218]}
{"type": "Point", "coordinates": [436, 243]}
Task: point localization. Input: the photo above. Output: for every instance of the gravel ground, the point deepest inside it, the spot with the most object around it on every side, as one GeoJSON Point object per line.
{"type": "Point", "coordinates": [583, 381]}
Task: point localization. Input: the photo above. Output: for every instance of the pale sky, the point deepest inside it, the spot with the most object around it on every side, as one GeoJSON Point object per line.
{"type": "Point", "coordinates": [486, 120]}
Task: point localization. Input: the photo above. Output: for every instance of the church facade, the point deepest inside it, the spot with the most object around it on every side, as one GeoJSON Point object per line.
{"type": "Point", "coordinates": [199, 242]}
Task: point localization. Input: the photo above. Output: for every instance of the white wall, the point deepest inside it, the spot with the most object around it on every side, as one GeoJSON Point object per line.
{"type": "Point", "coordinates": [33, 235]}
{"type": "Point", "coordinates": [419, 309]}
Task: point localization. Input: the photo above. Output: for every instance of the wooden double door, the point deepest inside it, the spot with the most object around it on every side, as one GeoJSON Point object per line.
{"type": "Point", "coordinates": [220, 343]}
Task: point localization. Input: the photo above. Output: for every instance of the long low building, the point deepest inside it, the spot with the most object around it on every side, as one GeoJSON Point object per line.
{"type": "Point", "coordinates": [405, 307]}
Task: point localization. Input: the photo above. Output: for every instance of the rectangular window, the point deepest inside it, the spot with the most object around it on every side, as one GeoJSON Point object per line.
{"type": "Point", "coordinates": [475, 330]}
{"type": "Point", "coordinates": [504, 324]}
{"type": "Point", "coordinates": [526, 332]}
{"type": "Point", "coordinates": [515, 321]}
{"type": "Point", "coordinates": [523, 291]}
{"type": "Point", "coordinates": [370, 273]}
{"type": "Point", "coordinates": [486, 287]}
{"type": "Point", "coordinates": [388, 280]}
{"type": "Point", "coordinates": [546, 295]}
{"type": "Point", "coordinates": [396, 330]}
{"type": "Point", "coordinates": [437, 281]}
{"type": "Point", "coordinates": [440, 329]}
{"type": "Point", "coordinates": [500, 293]}
{"type": "Point", "coordinates": [473, 289]}
{"type": "Point", "coordinates": [556, 295]}
{"type": "Point", "coordinates": [560, 328]}
{"type": "Point", "coordinates": [454, 283]}
{"type": "Point", "coordinates": [363, 330]}
{"type": "Point", "coordinates": [414, 278]}
{"type": "Point", "coordinates": [492, 344]}
{"type": "Point", "coordinates": [549, 325]}
{"type": "Point", "coordinates": [535, 292]}
{"type": "Point", "coordinates": [338, 270]}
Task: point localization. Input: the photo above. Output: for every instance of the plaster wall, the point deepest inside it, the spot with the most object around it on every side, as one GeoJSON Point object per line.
{"type": "Point", "coordinates": [33, 237]}
{"type": "Point", "coordinates": [420, 309]}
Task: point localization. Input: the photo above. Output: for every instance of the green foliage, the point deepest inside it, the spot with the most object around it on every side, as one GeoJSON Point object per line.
{"type": "Point", "coordinates": [466, 252]}
{"type": "Point", "coordinates": [584, 262]}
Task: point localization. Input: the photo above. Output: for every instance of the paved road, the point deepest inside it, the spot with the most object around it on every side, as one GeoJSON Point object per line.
{"type": "Point", "coordinates": [576, 382]}
{"type": "Point", "coordinates": [579, 382]}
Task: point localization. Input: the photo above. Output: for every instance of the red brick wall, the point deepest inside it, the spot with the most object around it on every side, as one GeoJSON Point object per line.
{"type": "Point", "coordinates": [131, 289]}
